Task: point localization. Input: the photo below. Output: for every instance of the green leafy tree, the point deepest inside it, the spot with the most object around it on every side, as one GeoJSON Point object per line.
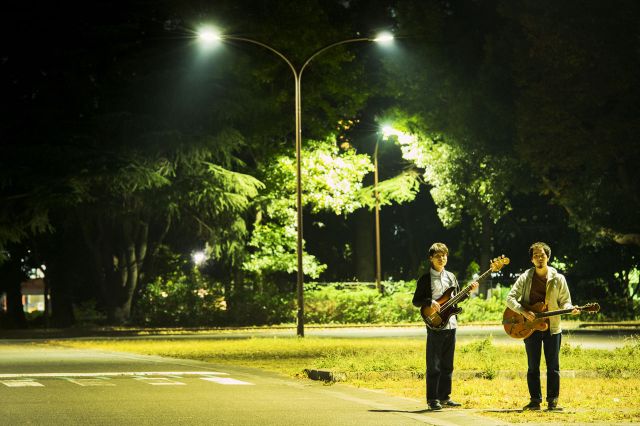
{"type": "Point", "coordinates": [546, 91]}
{"type": "Point", "coordinates": [453, 85]}
{"type": "Point", "coordinates": [130, 215]}
{"type": "Point", "coordinates": [124, 202]}
{"type": "Point", "coordinates": [331, 181]}
{"type": "Point", "coordinates": [578, 109]}
{"type": "Point", "coordinates": [463, 183]}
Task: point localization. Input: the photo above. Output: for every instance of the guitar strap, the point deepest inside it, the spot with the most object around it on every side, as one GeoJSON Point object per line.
{"type": "Point", "coordinates": [453, 279]}
{"type": "Point", "coordinates": [546, 289]}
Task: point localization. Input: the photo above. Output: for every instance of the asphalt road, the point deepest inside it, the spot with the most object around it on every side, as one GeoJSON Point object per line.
{"type": "Point", "coordinates": [61, 386]}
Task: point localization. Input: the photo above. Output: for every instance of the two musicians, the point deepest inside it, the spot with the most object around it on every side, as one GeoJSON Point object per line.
{"type": "Point", "coordinates": [541, 283]}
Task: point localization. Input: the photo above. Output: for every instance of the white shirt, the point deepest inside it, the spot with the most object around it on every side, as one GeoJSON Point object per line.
{"type": "Point", "coordinates": [440, 282]}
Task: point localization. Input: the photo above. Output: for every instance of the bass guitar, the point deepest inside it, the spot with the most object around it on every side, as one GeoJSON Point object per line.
{"type": "Point", "coordinates": [518, 327]}
{"type": "Point", "coordinates": [448, 301]}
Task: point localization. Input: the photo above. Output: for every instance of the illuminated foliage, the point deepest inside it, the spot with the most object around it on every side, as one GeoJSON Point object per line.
{"type": "Point", "coordinates": [331, 179]}
{"type": "Point", "coordinates": [462, 182]}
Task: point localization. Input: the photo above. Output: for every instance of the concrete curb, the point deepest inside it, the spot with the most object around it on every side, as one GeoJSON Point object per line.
{"type": "Point", "coordinates": [339, 376]}
{"type": "Point", "coordinates": [325, 375]}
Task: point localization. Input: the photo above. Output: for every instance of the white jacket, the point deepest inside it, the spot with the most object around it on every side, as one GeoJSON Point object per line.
{"type": "Point", "coordinates": [558, 296]}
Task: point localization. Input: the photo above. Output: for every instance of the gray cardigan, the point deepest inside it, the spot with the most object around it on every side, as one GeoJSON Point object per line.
{"type": "Point", "coordinates": [558, 296]}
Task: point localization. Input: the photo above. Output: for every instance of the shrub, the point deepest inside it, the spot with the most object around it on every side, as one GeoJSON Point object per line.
{"type": "Point", "coordinates": [182, 297]}
{"type": "Point", "coordinates": [481, 309]}
{"type": "Point", "coordinates": [360, 303]}
{"type": "Point", "coordinates": [266, 307]}
{"type": "Point", "coordinates": [357, 303]}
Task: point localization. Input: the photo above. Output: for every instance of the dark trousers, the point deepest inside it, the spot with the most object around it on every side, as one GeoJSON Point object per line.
{"type": "Point", "coordinates": [534, 345]}
{"type": "Point", "coordinates": [440, 349]}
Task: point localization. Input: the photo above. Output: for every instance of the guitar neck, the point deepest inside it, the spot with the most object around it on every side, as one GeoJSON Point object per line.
{"type": "Point", "coordinates": [553, 313]}
{"type": "Point", "coordinates": [455, 299]}
{"type": "Point", "coordinates": [484, 275]}
{"type": "Point", "coordinates": [465, 291]}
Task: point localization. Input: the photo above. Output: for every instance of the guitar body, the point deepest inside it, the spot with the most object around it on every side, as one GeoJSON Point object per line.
{"type": "Point", "coordinates": [449, 301]}
{"type": "Point", "coordinates": [439, 320]}
{"type": "Point", "coordinates": [518, 327]}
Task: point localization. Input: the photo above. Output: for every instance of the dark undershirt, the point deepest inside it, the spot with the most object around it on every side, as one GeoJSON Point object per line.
{"type": "Point", "coordinates": [538, 289]}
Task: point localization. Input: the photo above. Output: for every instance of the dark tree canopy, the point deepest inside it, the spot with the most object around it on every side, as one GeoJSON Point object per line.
{"type": "Point", "coordinates": [121, 137]}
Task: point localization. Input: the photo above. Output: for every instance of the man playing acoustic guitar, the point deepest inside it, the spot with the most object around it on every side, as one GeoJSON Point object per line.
{"type": "Point", "coordinates": [441, 342]}
{"type": "Point", "coordinates": [542, 283]}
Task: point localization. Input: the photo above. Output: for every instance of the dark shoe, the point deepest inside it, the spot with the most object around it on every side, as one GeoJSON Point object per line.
{"type": "Point", "coordinates": [434, 405]}
{"type": "Point", "coordinates": [553, 406]}
{"type": "Point", "coordinates": [450, 403]}
{"type": "Point", "coordinates": [532, 406]}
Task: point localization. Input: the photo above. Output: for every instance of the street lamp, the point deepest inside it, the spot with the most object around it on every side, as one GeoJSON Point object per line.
{"type": "Point", "coordinates": [377, 209]}
{"type": "Point", "coordinates": [384, 134]}
{"type": "Point", "coordinates": [210, 35]}
{"type": "Point", "coordinates": [199, 257]}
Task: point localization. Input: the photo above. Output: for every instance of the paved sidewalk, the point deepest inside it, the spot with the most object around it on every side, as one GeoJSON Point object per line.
{"type": "Point", "coordinates": [381, 402]}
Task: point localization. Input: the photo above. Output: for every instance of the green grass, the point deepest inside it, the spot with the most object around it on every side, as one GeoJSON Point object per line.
{"type": "Point", "coordinates": [489, 377]}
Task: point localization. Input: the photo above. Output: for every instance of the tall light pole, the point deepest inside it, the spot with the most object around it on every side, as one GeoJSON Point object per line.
{"type": "Point", "coordinates": [384, 134]}
{"type": "Point", "coordinates": [377, 209]}
{"type": "Point", "coordinates": [210, 36]}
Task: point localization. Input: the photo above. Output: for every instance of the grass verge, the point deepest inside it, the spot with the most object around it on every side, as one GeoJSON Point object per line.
{"type": "Point", "coordinates": [489, 377]}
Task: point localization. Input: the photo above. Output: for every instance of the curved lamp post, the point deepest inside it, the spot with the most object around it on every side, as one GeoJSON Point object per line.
{"type": "Point", "coordinates": [208, 35]}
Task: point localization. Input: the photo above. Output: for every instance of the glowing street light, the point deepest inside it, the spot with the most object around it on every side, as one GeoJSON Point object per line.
{"type": "Point", "coordinates": [199, 257]}
{"type": "Point", "coordinates": [211, 35]}
{"type": "Point", "coordinates": [384, 37]}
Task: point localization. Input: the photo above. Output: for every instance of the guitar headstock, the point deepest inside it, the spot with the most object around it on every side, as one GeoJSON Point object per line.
{"type": "Point", "coordinates": [499, 262]}
{"type": "Point", "coordinates": [589, 307]}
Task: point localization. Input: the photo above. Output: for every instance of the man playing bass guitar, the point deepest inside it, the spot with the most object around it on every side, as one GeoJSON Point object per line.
{"type": "Point", "coordinates": [440, 342]}
{"type": "Point", "coordinates": [542, 283]}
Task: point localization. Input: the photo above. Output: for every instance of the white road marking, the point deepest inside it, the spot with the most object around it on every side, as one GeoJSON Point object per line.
{"type": "Point", "coordinates": [114, 374]}
{"type": "Point", "coordinates": [96, 381]}
{"type": "Point", "coordinates": [20, 383]}
{"type": "Point", "coordinates": [159, 381]}
{"type": "Point", "coordinates": [103, 379]}
{"type": "Point", "coordinates": [225, 381]}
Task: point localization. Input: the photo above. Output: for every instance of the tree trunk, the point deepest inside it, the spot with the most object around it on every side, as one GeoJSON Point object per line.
{"type": "Point", "coordinates": [11, 276]}
{"type": "Point", "coordinates": [61, 307]}
{"type": "Point", "coordinates": [486, 243]}
{"type": "Point", "coordinates": [120, 314]}
{"type": "Point", "coordinates": [233, 291]}
{"type": "Point", "coordinates": [59, 280]}
{"type": "Point", "coordinates": [16, 317]}
{"type": "Point", "coordinates": [125, 269]}
{"type": "Point", "coordinates": [364, 252]}
{"type": "Point", "coordinates": [119, 250]}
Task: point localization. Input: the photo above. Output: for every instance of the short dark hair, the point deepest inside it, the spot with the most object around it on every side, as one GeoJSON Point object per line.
{"type": "Point", "coordinates": [438, 248]}
{"type": "Point", "coordinates": [540, 245]}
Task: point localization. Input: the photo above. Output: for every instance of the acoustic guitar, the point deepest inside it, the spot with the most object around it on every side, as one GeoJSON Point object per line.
{"type": "Point", "coordinates": [448, 301]}
{"type": "Point", "coordinates": [518, 327]}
